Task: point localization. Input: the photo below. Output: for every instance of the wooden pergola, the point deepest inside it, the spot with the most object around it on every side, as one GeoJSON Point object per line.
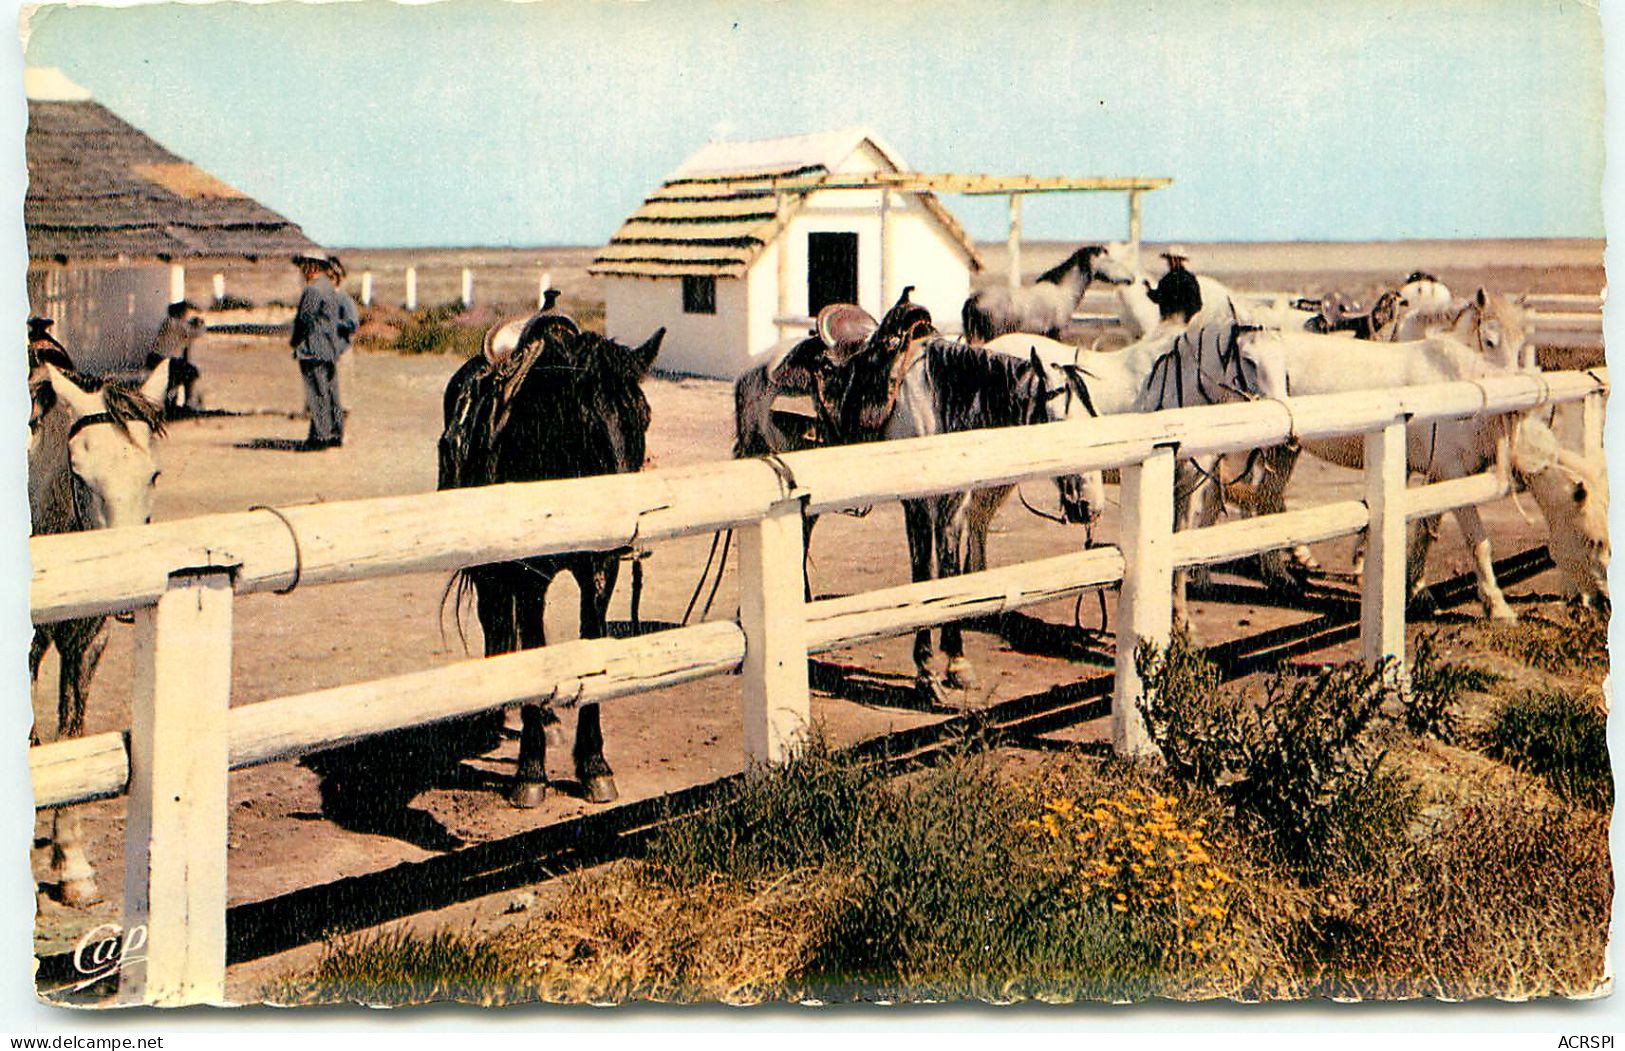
{"type": "Point", "coordinates": [1013, 186]}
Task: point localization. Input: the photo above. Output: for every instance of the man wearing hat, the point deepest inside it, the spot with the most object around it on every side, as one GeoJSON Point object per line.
{"type": "Point", "coordinates": [1177, 295]}
{"type": "Point", "coordinates": [317, 344]}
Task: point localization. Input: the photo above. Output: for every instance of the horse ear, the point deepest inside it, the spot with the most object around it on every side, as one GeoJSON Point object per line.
{"type": "Point", "coordinates": [1037, 364]}
{"type": "Point", "coordinates": [155, 386]}
{"type": "Point", "coordinates": [1483, 298]}
{"type": "Point", "coordinates": [79, 400]}
{"type": "Point", "coordinates": [645, 353]}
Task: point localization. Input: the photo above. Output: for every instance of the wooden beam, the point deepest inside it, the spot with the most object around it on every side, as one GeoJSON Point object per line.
{"type": "Point", "coordinates": [175, 840]}
{"type": "Point", "coordinates": [773, 678]}
{"type": "Point", "coordinates": [1382, 584]}
{"type": "Point", "coordinates": [950, 182]}
{"type": "Point", "coordinates": [1145, 605]}
{"type": "Point", "coordinates": [1014, 244]}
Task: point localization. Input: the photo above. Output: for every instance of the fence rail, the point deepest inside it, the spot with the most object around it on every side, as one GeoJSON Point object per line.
{"type": "Point", "coordinates": [180, 577]}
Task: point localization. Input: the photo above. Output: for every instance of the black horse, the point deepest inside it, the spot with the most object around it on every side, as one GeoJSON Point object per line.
{"type": "Point", "coordinates": [562, 403]}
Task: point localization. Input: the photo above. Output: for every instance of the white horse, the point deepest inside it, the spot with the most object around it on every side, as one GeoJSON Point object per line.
{"type": "Point", "coordinates": [1046, 306]}
{"type": "Point", "coordinates": [1300, 363]}
{"type": "Point", "coordinates": [90, 466]}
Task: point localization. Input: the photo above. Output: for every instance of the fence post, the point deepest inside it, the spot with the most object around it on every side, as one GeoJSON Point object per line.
{"type": "Point", "coordinates": [219, 287]}
{"type": "Point", "coordinates": [1591, 426]}
{"type": "Point", "coordinates": [468, 287]}
{"type": "Point", "coordinates": [543, 283]}
{"type": "Point", "coordinates": [411, 288]}
{"type": "Point", "coordinates": [1382, 584]}
{"type": "Point", "coordinates": [175, 838]}
{"type": "Point", "coordinates": [366, 288]}
{"type": "Point", "coordinates": [1145, 604]}
{"type": "Point", "coordinates": [177, 282]}
{"type": "Point", "coordinates": [773, 616]}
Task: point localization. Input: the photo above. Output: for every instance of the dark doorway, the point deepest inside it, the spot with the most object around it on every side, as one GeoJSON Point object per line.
{"type": "Point", "coordinates": [832, 270]}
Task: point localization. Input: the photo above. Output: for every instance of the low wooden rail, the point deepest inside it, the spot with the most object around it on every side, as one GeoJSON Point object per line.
{"type": "Point", "coordinates": [180, 578]}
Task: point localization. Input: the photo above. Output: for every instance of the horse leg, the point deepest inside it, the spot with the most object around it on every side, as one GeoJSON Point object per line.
{"type": "Point", "coordinates": [1478, 542]}
{"type": "Point", "coordinates": [807, 523]}
{"type": "Point", "coordinates": [511, 620]}
{"type": "Point", "coordinates": [959, 520]}
{"type": "Point", "coordinates": [36, 656]}
{"type": "Point", "coordinates": [1274, 470]}
{"type": "Point", "coordinates": [1189, 482]}
{"type": "Point", "coordinates": [79, 649]}
{"type": "Point", "coordinates": [596, 576]}
{"type": "Point", "coordinates": [918, 523]}
{"type": "Point", "coordinates": [1419, 538]}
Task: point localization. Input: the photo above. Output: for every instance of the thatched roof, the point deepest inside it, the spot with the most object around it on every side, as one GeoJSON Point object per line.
{"type": "Point", "coordinates": [719, 210]}
{"type": "Point", "coordinates": [99, 188]}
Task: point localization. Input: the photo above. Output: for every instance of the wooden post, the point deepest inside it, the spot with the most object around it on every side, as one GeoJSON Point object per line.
{"type": "Point", "coordinates": [1145, 605]}
{"type": "Point", "coordinates": [1591, 426]}
{"type": "Point", "coordinates": [1382, 585]}
{"type": "Point", "coordinates": [773, 617]}
{"type": "Point", "coordinates": [219, 287]}
{"type": "Point", "coordinates": [543, 285]}
{"type": "Point", "coordinates": [1134, 226]}
{"type": "Point", "coordinates": [175, 837]}
{"type": "Point", "coordinates": [411, 288]}
{"type": "Point", "coordinates": [885, 248]}
{"type": "Point", "coordinates": [468, 287]}
{"type": "Point", "coordinates": [177, 282]}
{"type": "Point", "coordinates": [366, 288]}
{"type": "Point", "coordinates": [1015, 241]}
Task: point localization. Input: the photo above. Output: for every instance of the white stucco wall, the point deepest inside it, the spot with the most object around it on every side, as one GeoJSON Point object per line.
{"type": "Point", "coordinates": [701, 344]}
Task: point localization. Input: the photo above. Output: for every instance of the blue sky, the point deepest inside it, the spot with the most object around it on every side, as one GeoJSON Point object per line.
{"type": "Point", "coordinates": [492, 123]}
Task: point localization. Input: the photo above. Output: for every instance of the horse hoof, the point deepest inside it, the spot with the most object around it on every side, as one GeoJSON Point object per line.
{"type": "Point", "coordinates": [929, 691]}
{"type": "Point", "coordinates": [528, 794]}
{"type": "Point", "coordinates": [600, 788]}
{"type": "Point", "coordinates": [78, 893]}
{"type": "Point", "coordinates": [960, 676]}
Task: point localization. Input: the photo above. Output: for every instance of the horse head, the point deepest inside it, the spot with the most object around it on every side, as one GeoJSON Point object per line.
{"type": "Point", "coordinates": [1114, 264]}
{"type": "Point", "coordinates": [1573, 496]}
{"type": "Point", "coordinates": [108, 432]}
{"type": "Point", "coordinates": [1495, 325]}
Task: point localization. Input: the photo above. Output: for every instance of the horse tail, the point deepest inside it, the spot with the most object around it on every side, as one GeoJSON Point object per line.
{"type": "Point", "coordinates": [459, 589]}
{"type": "Point", "coordinates": [753, 401]}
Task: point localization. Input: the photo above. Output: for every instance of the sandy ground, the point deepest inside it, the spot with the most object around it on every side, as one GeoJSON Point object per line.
{"type": "Point", "coordinates": [658, 743]}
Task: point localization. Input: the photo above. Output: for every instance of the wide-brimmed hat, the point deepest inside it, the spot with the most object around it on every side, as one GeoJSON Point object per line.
{"type": "Point", "coordinates": [314, 255]}
{"type": "Point", "coordinates": [1176, 252]}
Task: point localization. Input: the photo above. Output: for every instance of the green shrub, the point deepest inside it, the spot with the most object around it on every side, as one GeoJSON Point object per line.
{"type": "Point", "coordinates": [1575, 640]}
{"type": "Point", "coordinates": [1560, 736]}
{"type": "Point", "coordinates": [1300, 766]}
{"type": "Point", "coordinates": [399, 967]}
{"type": "Point", "coordinates": [1436, 688]}
{"type": "Point", "coordinates": [231, 302]}
{"type": "Point", "coordinates": [440, 330]}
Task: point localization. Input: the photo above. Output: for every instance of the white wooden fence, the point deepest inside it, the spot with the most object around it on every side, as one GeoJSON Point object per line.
{"type": "Point", "coordinates": [180, 579]}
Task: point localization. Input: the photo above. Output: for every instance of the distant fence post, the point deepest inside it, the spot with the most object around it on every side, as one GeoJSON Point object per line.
{"type": "Point", "coordinates": [468, 287]}
{"type": "Point", "coordinates": [219, 288]}
{"type": "Point", "coordinates": [1145, 604]}
{"type": "Point", "coordinates": [177, 282]}
{"type": "Point", "coordinates": [175, 838]}
{"type": "Point", "coordinates": [411, 288]}
{"type": "Point", "coordinates": [543, 283]}
{"type": "Point", "coordinates": [1591, 426]}
{"type": "Point", "coordinates": [366, 288]}
{"type": "Point", "coordinates": [773, 618]}
{"type": "Point", "coordinates": [1382, 583]}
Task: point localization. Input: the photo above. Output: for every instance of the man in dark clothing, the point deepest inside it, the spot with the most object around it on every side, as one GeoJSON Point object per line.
{"type": "Point", "coordinates": [317, 344]}
{"type": "Point", "coordinates": [180, 331]}
{"type": "Point", "coordinates": [1177, 295]}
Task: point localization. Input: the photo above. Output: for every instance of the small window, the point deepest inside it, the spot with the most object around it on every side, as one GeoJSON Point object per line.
{"type": "Point", "coordinates": [699, 295]}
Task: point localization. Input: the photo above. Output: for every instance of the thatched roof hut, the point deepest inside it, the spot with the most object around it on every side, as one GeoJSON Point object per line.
{"type": "Point", "coordinates": [98, 187]}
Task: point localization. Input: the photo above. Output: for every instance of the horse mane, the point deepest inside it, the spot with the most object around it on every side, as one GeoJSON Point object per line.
{"type": "Point", "coordinates": [122, 401]}
{"type": "Point", "coordinates": [1057, 273]}
{"type": "Point", "coordinates": [964, 378]}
